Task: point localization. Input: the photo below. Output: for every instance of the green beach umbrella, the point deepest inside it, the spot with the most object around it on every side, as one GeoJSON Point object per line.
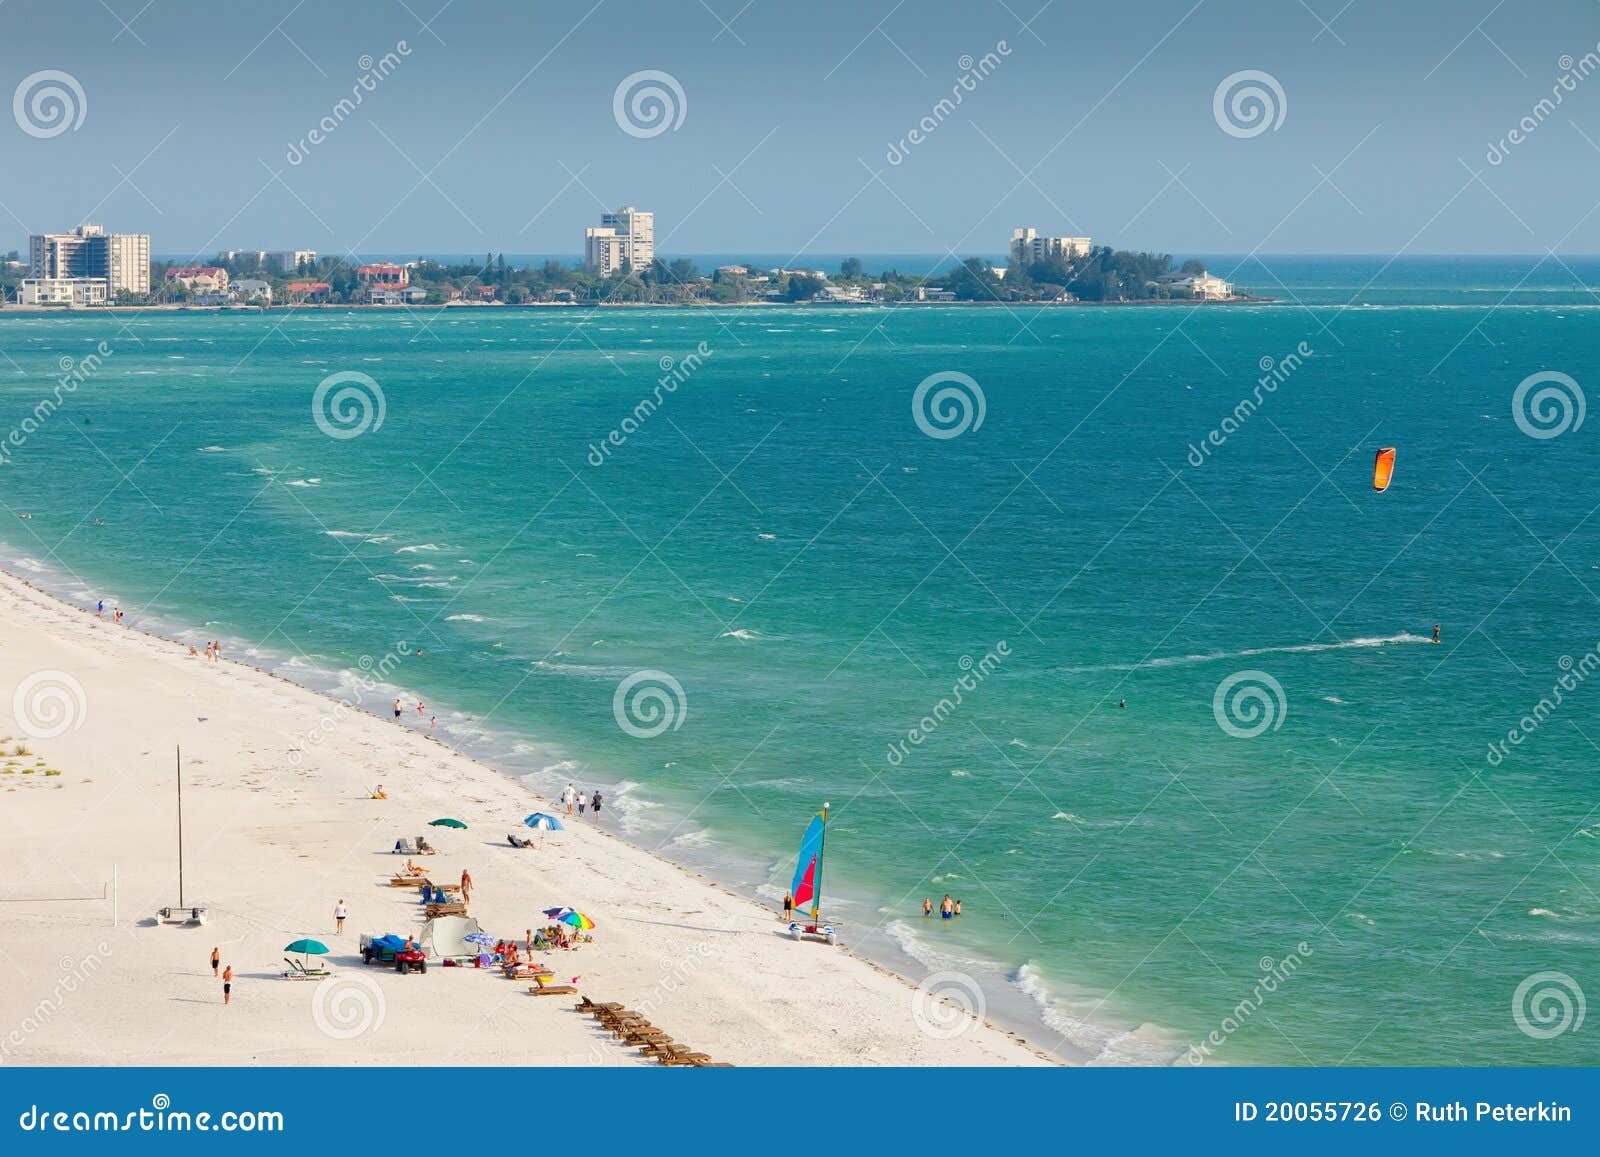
{"type": "Point", "coordinates": [307, 947]}
{"type": "Point", "coordinates": [447, 823]}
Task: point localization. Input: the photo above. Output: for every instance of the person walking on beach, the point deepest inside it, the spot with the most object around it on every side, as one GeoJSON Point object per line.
{"type": "Point", "coordinates": [927, 906]}
{"type": "Point", "coordinates": [216, 650]}
{"type": "Point", "coordinates": [215, 957]}
{"type": "Point", "coordinates": [568, 796]}
{"type": "Point", "coordinates": [466, 884]}
{"type": "Point", "coordinates": [397, 711]}
{"type": "Point", "coordinates": [100, 611]}
{"type": "Point", "coordinates": [788, 907]}
{"type": "Point", "coordinates": [583, 802]}
{"type": "Point", "coordinates": [227, 985]}
{"type": "Point", "coordinates": [595, 804]}
{"type": "Point", "coordinates": [340, 914]}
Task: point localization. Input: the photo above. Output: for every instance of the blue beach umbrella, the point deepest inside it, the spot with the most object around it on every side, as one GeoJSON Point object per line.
{"type": "Point", "coordinates": [543, 822]}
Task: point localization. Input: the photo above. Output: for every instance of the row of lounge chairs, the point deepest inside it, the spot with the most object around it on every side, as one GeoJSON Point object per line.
{"type": "Point", "coordinates": [634, 1030]}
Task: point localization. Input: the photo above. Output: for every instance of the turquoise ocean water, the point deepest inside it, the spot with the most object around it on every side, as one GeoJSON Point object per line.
{"type": "Point", "coordinates": [816, 573]}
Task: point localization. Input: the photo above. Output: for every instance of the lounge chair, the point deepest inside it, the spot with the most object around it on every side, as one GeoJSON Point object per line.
{"type": "Point", "coordinates": [405, 847]}
{"type": "Point", "coordinates": [298, 971]}
{"type": "Point", "coordinates": [406, 881]}
{"type": "Point", "coordinates": [516, 843]}
{"type": "Point", "coordinates": [553, 989]}
{"type": "Point", "coordinates": [434, 911]}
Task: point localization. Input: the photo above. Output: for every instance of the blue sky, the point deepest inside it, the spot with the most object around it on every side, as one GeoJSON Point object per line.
{"type": "Point", "coordinates": [497, 129]}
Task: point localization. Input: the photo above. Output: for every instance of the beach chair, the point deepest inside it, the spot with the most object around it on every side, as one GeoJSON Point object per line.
{"type": "Point", "coordinates": [553, 989]}
{"type": "Point", "coordinates": [423, 849]}
{"type": "Point", "coordinates": [434, 911]}
{"type": "Point", "coordinates": [298, 971]}
{"type": "Point", "coordinates": [405, 881]}
{"type": "Point", "coordinates": [405, 847]}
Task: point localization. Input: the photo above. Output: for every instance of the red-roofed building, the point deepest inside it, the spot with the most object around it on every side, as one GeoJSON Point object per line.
{"type": "Point", "coordinates": [306, 290]}
{"type": "Point", "coordinates": [384, 273]}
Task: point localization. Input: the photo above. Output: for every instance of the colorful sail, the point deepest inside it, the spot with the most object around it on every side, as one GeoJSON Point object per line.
{"type": "Point", "coordinates": [1383, 469]}
{"type": "Point", "coordinates": [807, 886]}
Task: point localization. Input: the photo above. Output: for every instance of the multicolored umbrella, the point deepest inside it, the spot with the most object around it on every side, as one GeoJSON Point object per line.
{"type": "Point", "coordinates": [544, 822]}
{"type": "Point", "coordinates": [577, 920]}
{"type": "Point", "coordinates": [447, 823]}
{"type": "Point", "coordinates": [480, 938]}
{"type": "Point", "coordinates": [557, 913]}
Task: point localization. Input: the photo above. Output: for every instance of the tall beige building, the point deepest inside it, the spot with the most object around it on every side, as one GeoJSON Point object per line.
{"type": "Point", "coordinates": [626, 237]}
{"type": "Point", "coordinates": [1029, 247]}
{"type": "Point", "coordinates": [121, 260]}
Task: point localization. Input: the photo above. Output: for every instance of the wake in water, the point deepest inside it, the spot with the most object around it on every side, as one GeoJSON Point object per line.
{"type": "Point", "coordinates": [1217, 656]}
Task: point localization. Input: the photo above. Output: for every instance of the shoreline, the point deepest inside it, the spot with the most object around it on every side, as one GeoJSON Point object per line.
{"type": "Point", "coordinates": [48, 614]}
{"type": "Point", "coordinates": [291, 307]}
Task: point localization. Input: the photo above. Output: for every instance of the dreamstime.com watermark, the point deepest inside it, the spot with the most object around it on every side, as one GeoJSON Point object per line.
{"type": "Point", "coordinates": [947, 1004]}
{"type": "Point", "coordinates": [48, 103]}
{"type": "Point", "coordinates": [347, 1005]}
{"type": "Point", "coordinates": [1547, 1004]}
{"type": "Point", "coordinates": [1248, 103]}
{"type": "Point", "coordinates": [75, 972]}
{"type": "Point", "coordinates": [373, 72]}
{"type": "Point", "coordinates": [160, 1117]}
{"type": "Point", "coordinates": [371, 675]}
{"type": "Point", "coordinates": [973, 674]}
{"type": "Point", "coordinates": [1273, 974]}
{"type": "Point", "coordinates": [950, 411]}
{"type": "Point", "coordinates": [648, 103]}
{"type": "Point", "coordinates": [48, 704]}
{"type": "Point", "coordinates": [348, 404]}
{"type": "Point", "coordinates": [674, 372]}
{"type": "Point", "coordinates": [1573, 674]}
{"type": "Point", "coordinates": [74, 373]}
{"type": "Point", "coordinates": [973, 73]}
{"type": "Point", "coordinates": [1572, 72]}
{"type": "Point", "coordinates": [1547, 404]}
{"type": "Point", "coordinates": [1247, 703]}
{"type": "Point", "coordinates": [1273, 374]}
{"type": "Point", "coordinates": [648, 703]}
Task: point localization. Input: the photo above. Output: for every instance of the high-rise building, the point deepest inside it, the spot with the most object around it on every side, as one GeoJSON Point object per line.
{"type": "Point", "coordinates": [121, 260]}
{"type": "Point", "coordinates": [626, 237]}
{"type": "Point", "coordinates": [291, 260]}
{"type": "Point", "coordinates": [1029, 247]}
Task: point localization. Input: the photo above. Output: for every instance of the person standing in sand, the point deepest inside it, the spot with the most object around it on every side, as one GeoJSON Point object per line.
{"type": "Point", "coordinates": [583, 803]}
{"type": "Point", "coordinates": [216, 956]}
{"type": "Point", "coordinates": [568, 796]}
{"type": "Point", "coordinates": [340, 914]}
{"type": "Point", "coordinates": [227, 985]}
{"type": "Point", "coordinates": [397, 711]}
{"type": "Point", "coordinates": [595, 804]}
{"type": "Point", "coordinates": [788, 907]}
{"type": "Point", "coordinates": [466, 884]}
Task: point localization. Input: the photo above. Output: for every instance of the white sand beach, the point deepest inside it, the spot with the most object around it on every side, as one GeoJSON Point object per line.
{"type": "Point", "coordinates": [271, 844]}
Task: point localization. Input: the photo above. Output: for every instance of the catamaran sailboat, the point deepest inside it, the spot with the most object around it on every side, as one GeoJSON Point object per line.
{"type": "Point", "coordinates": [807, 887]}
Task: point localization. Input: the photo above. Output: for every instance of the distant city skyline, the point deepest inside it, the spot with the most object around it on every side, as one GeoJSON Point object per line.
{"type": "Point", "coordinates": [1181, 126]}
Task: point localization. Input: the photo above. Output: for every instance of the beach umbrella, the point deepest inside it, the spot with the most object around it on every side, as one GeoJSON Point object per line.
{"type": "Point", "coordinates": [307, 948]}
{"type": "Point", "coordinates": [479, 938]}
{"type": "Point", "coordinates": [576, 920]}
{"type": "Point", "coordinates": [557, 913]}
{"type": "Point", "coordinates": [447, 823]}
{"type": "Point", "coordinates": [544, 822]}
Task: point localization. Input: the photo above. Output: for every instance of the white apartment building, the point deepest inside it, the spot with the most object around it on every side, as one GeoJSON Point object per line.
{"type": "Point", "coordinates": [626, 237]}
{"type": "Point", "coordinates": [289, 260]}
{"type": "Point", "coordinates": [72, 292]}
{"type": "Point", "coordinates": [1029, 247]}
{"type": "Point", "coordinates": [121, 260]}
